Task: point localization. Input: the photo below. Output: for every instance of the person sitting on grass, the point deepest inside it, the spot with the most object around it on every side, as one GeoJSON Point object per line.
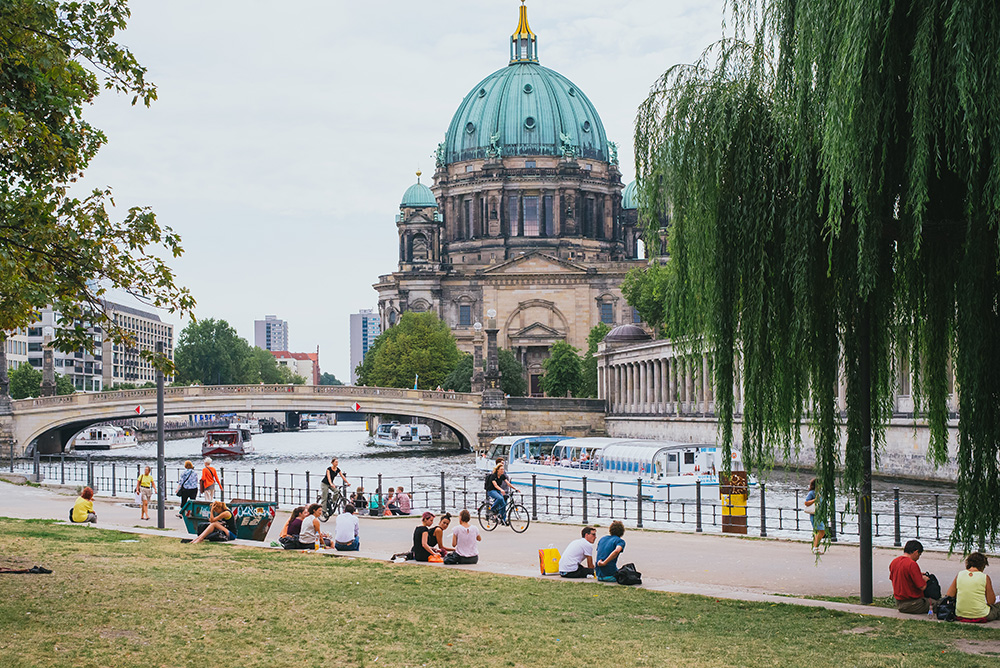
{"type": "Point", "coordinates": [608, 549]}
{"type": "Point", "coordinates": [975, 598]}
{"type": "Point", "coordinates": [422, 548]}
{"type": "Point", "coordinates": [83, 509]}
{"type": "Point", "coordinates": [464, 539]}
{"type": "Point", "coordinates": [436, 539]}
{"type": "Point", "coordinates": [908, 583]}
{"type": "Point", "coordinates": [578, 552]}
{"type": "Point", "coordinates": [348, 534]}
{"type": "Point", "coordinates": [289, 537]}
{"type": "Point", "coordinates": [218, 515]}
{"type": "Point", "coordinates": [311, 535]}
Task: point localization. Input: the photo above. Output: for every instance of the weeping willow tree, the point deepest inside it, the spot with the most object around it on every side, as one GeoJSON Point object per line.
{"type": "Point", "coordinates": [834, 188]}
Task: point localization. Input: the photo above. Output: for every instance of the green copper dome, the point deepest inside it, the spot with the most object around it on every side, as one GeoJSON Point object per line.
{"type": "Point", "coordinates": [417, 196]}
{"type": "Point", "coordinates": [524, 109]}
{"type": "Point", "coordinates": [630, 197]}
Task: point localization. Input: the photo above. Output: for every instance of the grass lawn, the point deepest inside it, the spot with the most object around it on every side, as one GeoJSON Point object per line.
{"type": "Point", "coordinates": [156, 602]}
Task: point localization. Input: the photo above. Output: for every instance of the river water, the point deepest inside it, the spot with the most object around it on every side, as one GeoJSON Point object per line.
{"type": "Point", "coordinates": [419, 469]}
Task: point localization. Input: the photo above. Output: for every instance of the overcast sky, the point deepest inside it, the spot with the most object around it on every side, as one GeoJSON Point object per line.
{"type": "Point", "coordinates": [286, 132]}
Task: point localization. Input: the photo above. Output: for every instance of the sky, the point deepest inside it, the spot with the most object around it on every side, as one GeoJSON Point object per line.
{"type": "Point", "coordinates": [285, 133]}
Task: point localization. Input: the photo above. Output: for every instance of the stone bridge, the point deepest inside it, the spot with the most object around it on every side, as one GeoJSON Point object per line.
{"type": "Point", "coordinates": [54, 420]}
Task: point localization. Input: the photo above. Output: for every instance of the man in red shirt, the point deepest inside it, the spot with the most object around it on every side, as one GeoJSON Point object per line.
{"type": "Point", "coordinates": [908, 583]}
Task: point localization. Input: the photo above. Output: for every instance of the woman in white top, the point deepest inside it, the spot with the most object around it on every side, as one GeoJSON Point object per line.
{"type": "Point", "coordinates": [310, 533]}
{"type": "Point", "coordinates": [464, 539]}
{"type": "Point", "coordinates": [975, 600]}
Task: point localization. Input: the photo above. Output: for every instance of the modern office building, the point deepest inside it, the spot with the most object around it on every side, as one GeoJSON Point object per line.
{"type": "Point", "coordinates": [366, 325]}
{"type": "Point", "coordinates": [270, 333]}
{"type": "Point", "coordinates": [123, 362]}
{"type": "Point", "coordinates": [16, 348]}
{"type": "Point", "coordinates": [525, 216]}
{"type": "Point", "coordinates": [85, 367]}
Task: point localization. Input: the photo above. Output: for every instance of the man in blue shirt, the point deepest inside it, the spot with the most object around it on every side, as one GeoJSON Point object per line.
{"type": "Point", "coordinates": [608, 549]}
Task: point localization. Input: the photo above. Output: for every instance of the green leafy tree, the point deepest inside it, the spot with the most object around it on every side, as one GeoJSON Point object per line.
{"type": "Point", "coordinates": [267, 368]}
{"type": "Point", "coordinates": [64, 385]}
{"type": "Point", "coordinates": [835, 185]}
{"type": "Point", "coordinates": [26, 381]}
{"type": "Point", "coordinates": [563, 371]}
{"type": "Point", "coordinates": [588, 386]}
{"type": "Point", "coordinates": [329, 379]}
{"type": "Point", "coordinates": [54, 248]}
{"type": "Point", "coordinates": [511, 374]}
{"type": "Point", "coordinates": [418, 344]}
{"type": "Point", "coordinates": [210, 352]}
{"type": "Point", "coordinates": [644, 289]}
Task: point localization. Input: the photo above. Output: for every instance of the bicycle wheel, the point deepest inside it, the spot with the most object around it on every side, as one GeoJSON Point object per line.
{"type": "Point", "coordinates": [518, 518]}
{"type": "Point", "coordinates": [487, 518]}
{"type": "Point", "coordinates": [325, 514]}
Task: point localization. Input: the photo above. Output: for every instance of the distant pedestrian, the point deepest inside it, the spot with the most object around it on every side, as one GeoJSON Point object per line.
{"type": "Point", "coordinates": [608, 549]}
{"type": "Point", "coordinates": [187, 486]}
{"type": "Point", "coordinates": [819, 527]}
{"type": "Point", "coordinates": [83, 509]}
{"type": "Point", "coordinates": [578, 553]}
{"type": "Point", "coordinates": [210, 482]}
{"type": "Point", "coordinates": [403, 500]}
{"type": "Point", "coordinates": [348, 534]}
{"type": "Point", "coordinates": [144, 487]}
{"type": "Point", "coordinates": [464, 539]}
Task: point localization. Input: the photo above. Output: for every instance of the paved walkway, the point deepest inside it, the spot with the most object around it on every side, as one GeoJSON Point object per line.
{"type": "Point", "coordinates": [722, 566]}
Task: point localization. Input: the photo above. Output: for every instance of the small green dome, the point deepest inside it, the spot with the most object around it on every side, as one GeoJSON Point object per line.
{"type": "Point", "coordinates": [630, 196]}
{"type": "Point", "coordinates": [524, 109]}
{"type": "Point", "coordinates": [418, 196]}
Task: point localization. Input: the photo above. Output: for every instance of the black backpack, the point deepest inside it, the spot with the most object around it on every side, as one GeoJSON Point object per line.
{"type": "Point", "coordinates": [627, 575]}
{"type": "Point", "coordinates": [933, 589]}
{"type": "Point", "coordinates": [945, 609]}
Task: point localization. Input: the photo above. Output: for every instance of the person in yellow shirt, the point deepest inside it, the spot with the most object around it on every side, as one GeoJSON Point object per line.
{"type": "Point", "coordinates": [83, 509]}
{"type": "Point", "coordinates": [145, 487]}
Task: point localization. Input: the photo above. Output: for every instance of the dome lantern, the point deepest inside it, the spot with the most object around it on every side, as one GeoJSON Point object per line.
{"type": "Point", "coordinates": [418, 196]}
{"type": "Point", "coordinates": [523, 43]}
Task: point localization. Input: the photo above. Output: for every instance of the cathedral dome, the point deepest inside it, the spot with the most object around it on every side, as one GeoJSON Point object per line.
{"type": "Point", "coordinates": [524, 109]}
{"type": "Point", "coordinates": [417, 196]}
{"type": "Point", "coordinates": [630, 197]}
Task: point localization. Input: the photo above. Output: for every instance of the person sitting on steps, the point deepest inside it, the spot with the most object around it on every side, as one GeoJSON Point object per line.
{"type": "Point", "coordinates": [908, 583]}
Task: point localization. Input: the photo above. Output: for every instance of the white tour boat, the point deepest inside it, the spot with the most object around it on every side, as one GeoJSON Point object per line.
{"type": "Point", "coordinates": [103, 437]}
{"type": "Point", "coordinates": [612, 466]}
{"type": "Point", "coordinates": [250, 424]}
{"type": "Point", "coordinates": [393, 433]}
{"type": "Point", "coordinates": [227, 442]}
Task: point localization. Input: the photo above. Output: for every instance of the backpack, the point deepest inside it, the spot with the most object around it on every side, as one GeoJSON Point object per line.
{"type": "Point", "coordinates": [627, 575]}
{"type": "Point", "coordinates": [489, 482]}
{"type": "Point", "coordinates": [933, 589]}
{"type": "Point", "coordinates": [945, 609]}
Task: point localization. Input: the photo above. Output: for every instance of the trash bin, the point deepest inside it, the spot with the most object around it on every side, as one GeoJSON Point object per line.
{"type": "Point", "coordinates": [733, 491]}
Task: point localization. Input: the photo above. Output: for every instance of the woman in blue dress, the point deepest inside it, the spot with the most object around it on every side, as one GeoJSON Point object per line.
{"type": "Point", "coordinates": [819, 528]}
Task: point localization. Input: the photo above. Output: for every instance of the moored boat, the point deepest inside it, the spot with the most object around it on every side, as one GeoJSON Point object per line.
{"type": "Point", "coordinates": [615, 467]}
{"type": "Point", "coordinates": [393, 433]}
{"type": "Point", "coordinates": [104, 437]}
{"type": "Point", "coordinates": [227, 442]}
{"type": "Point", "coordinates": [250, 424]}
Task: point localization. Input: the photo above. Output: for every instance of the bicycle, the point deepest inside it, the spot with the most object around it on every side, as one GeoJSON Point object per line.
{"type": "Point", "coordinates": [335, 503]}
{"type": "Point", "coordinates": [516, 515]}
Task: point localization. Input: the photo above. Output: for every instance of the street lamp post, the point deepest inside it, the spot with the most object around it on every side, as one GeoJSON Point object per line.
{"type": "Point", "coordinates": [161, 470]}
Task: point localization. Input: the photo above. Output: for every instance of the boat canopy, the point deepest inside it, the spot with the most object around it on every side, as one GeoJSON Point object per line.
{"type": "Point", "coordinates": [654, 459]}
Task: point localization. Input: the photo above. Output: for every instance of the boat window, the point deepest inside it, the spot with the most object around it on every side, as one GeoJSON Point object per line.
{"type": "Point", "coordinates": [689, 457]}
{"type": "Point", "coordinates": [672, 466]}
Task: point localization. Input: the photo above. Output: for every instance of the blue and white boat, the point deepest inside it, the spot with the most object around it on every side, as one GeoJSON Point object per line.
{"type": "Point", "coordinates": [612, 466]}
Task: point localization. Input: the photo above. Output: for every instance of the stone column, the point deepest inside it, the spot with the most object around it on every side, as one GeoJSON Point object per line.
{"type": "Point", "coordinates": [658, 386]}
{"type": "Point", "coordinates": [643, 389]}
{"type": "Point", "coordinates": [48, 388]}
{"type": "Point", "coordinates": [478, 379]}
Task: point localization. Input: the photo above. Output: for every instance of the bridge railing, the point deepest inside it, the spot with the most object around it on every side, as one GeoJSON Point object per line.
{"type": "Point", "coordinates": [897, 515]}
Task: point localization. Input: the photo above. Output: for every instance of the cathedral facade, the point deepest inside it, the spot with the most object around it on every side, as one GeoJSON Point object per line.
{"type": "Point", "coordinates": [525, 216]}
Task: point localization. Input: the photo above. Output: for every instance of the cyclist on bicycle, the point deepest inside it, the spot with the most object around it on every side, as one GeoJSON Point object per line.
{"type": "Point", "coordinates": [497, 486]}
{"type": "Point", "coordinates": [329, 484]}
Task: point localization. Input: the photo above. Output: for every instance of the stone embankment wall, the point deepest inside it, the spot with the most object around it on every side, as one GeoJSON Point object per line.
{"type": "Point", "coordinates": [572, 417]}
{"type": "Point", "coordinates": [904, 455]}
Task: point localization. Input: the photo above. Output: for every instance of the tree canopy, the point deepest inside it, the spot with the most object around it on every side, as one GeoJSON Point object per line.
{"type": "Point", "coordinates": [26, 381]}
{"type": "Point", "coordinates": [588, 383]}
{"type": "Point", "coordinates": [833, 176]}
{"type": "Point", "coordinates": [511, 374]}
{"type": "Point", "coordinates": [419, 344]}
{"type": "Point", "coordinates": [210, 352]}
{"type": "Point", "coordinates": [56, 248]}
{"type": "Point", "coordinates": [563, 371]}
{"type": "Point", "coordinates": [329, 379]}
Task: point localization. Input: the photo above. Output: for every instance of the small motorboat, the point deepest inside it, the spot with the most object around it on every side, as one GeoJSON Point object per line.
{"type": "Point", "coordinates": [103, 437]}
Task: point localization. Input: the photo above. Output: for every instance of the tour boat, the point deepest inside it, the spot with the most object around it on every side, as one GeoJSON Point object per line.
{"type": "Point", "coordinates": [393, 433]}
{"type": "Point", "coordinates": [104, 437]}
{"type": "Point", "coordinates": [612, 466]}
{"type": "Point", "coordinates": [250, 424]}
{"type": "Point", "coordinates": [227, 442]}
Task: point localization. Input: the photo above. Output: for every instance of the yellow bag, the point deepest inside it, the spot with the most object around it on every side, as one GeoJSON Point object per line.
{"type": "Point", "coordinates": [548, 560]}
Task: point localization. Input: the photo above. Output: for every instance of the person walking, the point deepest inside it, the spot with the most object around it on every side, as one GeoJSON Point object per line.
{"type": "Point", "coordinates": [819, 527]}
{"type": "Point", "coordinates": [187, 485]}
{"type": "Point", "coordinates": [464, 539]}
{"type": "Point", "coordinates": [144, 487]}
{"type": "Point", "coordinates": [210, 481]}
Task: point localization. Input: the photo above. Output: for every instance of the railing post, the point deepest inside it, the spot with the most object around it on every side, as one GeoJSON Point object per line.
{"type": "Point", "coordinates": [585, 519]}
{"type": "Point", "coordinates": [763, 512]}
{"type": "Point", "coordinates": [277, 499]}
{"type": "Point", "coordinates": [222, 484]}
{"type": "Point", "coordinates": [638, 502]}
{"type": "Point", "coordinates": [307, 489]}
{"type": "Point", "coordinates": [114, 481]}
{"type": "Point", "coordinates": [36, 461]}
{"type": "Point", "coordinates": [442, 491]}
{"type": "Point", "coordinates": [381, 494]}
{"type": "Point", "coordinates": [534, 497]}
{"type": "Point", "coordinates": [697, 509]}
{"type": "Point", "coordinates": [253, 484]}
{"type": "Point", "coordinates": [895, 506]}
{"type": "Point", "coordinates": [90, 472]}
{"type": "Point", "coordinates": [62, 468]}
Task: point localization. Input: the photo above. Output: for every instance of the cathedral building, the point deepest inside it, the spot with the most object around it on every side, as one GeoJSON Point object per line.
{"type": "Point", "coordinates": [524, 216]}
